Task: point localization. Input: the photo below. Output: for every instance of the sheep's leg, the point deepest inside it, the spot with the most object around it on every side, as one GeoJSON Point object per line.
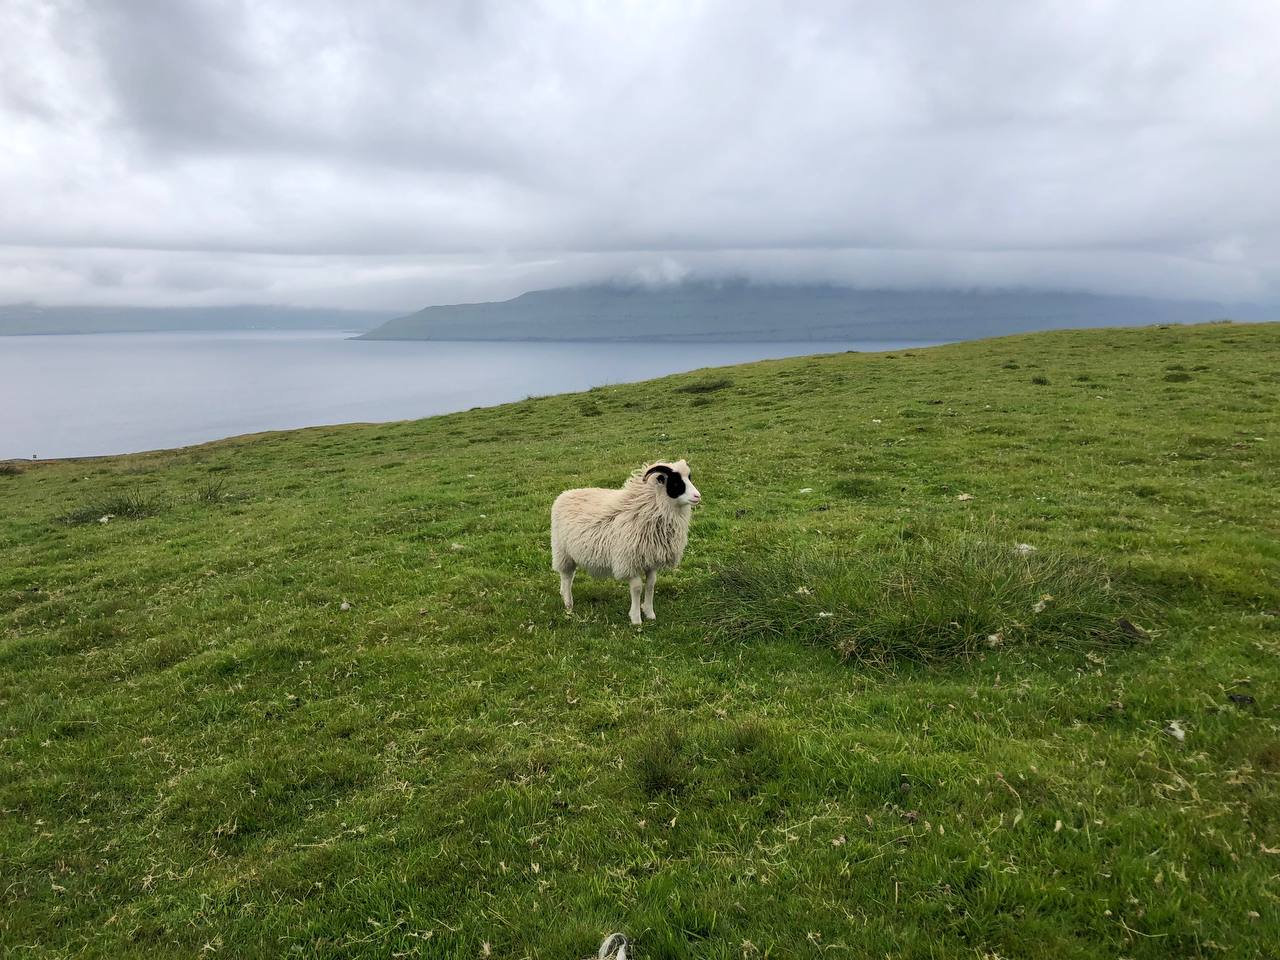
{"type": "Point", "coordinates": [566, 589]}
{"type": "Point", "coordinates": [637, 588]}
{"type": "Point", "coordinates": [646, 608]}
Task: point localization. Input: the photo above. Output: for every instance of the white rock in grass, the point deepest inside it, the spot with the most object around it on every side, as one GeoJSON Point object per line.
{"type": "Point", "coordinates": [1174, 729]}
{"type": "Point", "coordinates": [965, 496]}
{"type": "Point", "coordinates": [1041, 604]}
{"type": "Point", "coordinates": [822, 615]}
{"type": "Point", "coordinates": [344, 606]}
{"type": "Point", "coordinates": [1024, 549]}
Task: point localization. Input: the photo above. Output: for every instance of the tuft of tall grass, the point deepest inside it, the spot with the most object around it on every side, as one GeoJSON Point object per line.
{"type": "Point", "coordinates": [924, 598]}
{"type": "Point", "coordinates": [211, 491]}
{"type": "Point", "coordinates": [661, 766]}
{"type": "Point", "coordinates": [9, 469]}
{"type": "Point", "coordinates": [133, 504]}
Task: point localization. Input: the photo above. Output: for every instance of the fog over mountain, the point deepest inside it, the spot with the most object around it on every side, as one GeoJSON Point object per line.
{"type": "Point", "coordinates": [738, 310]}
{"type": "Point", "coordinates": [384, 156]}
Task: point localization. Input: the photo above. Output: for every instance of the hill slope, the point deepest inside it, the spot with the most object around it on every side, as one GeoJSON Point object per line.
{"type": "Point", "coordinates": [204, 751]}
{"type": "Point", "coordinates": [702, 310]}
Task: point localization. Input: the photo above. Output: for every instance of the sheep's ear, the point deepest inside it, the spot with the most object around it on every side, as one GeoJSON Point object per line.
{"type": "Point", "coordinates": [661, 470]}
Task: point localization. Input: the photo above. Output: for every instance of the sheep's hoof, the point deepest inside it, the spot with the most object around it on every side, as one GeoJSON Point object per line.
{"type": "Point", "coordinates": [635, 620]}
{"type": "Point", "coordinates": [650, 615]}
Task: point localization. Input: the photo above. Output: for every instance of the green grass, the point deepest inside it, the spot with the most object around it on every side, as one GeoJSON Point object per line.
{"type": "Point", "coordinates": [709, 385]}
{"type": "Point", "coordinates": [203, 753]}
{"type": "Point", "coordinates": [211, 492]}
{"type": "Point", "coordinates": [125, 504]}
{"type": "Point", "coordinates": [925, 598]}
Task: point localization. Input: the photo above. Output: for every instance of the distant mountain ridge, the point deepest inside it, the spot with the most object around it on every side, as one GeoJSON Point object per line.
{"type": "Point", "coordinates": [29, 319]}
{"type": "Point", "coordinates": [740, 310]}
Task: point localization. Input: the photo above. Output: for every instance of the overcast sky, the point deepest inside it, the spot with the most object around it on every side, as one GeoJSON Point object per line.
{"type": "Point", "coordinates": [390, 155]}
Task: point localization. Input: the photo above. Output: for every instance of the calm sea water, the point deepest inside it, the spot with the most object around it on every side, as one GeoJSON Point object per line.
{"type": "Point", "coordinates": [72, 396]}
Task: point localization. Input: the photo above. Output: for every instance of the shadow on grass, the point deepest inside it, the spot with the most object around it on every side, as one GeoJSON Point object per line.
{"type": "Point", "coordinates": [661, 766]}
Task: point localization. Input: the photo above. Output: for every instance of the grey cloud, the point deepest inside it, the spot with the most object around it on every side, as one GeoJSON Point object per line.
{"type": "Point", "coordinates": [220, 151]}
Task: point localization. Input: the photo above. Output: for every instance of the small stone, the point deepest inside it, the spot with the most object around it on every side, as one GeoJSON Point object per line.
{"type": "Point", "coordinates": [965, 496]}
{"type": "Point", "coordinates": [1024, 549]}
{"type": "Point", "coordinates": [344, 606]}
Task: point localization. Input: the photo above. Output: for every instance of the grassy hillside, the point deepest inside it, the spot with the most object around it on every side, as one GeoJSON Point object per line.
{"type": "Point", "coordinates": [313, 694]}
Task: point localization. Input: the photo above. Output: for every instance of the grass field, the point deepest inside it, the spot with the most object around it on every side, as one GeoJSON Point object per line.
{"type": "Point", "coordinates": [313, 694]}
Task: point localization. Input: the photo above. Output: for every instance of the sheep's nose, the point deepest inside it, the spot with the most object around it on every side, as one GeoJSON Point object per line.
{"type": "Point", "coordinates": [696, 498]}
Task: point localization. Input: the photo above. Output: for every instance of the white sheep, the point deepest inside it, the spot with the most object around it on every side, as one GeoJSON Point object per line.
{"type": "Point", "coordinates": [629, 534]}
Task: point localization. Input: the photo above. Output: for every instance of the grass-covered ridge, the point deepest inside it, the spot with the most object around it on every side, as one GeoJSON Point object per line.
{"type": "Point", "coordinates": [203, 752]}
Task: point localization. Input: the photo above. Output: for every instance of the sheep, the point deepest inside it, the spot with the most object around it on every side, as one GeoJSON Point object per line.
{"type": "Point", "coordinates": [629, 534]}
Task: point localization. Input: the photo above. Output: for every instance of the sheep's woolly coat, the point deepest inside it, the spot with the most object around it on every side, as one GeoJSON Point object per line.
{"type": "Point", "coordinates": [619, 533]}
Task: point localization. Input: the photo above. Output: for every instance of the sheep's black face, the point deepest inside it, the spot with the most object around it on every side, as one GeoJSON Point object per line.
{"type": "Point", "coordinates": [675, 482]}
